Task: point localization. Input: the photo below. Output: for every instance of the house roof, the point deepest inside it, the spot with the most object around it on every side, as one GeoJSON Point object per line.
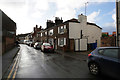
{"type": "Point", "coordinates": [76, 20]}
{"type": "Point", "coordinates": [113, 33]}
{"type": "Point", "coordinates": [23, 35]}
{"type": "Point", "coordinates": [72, 20]}
{"type": "Point", "coordinates": [93, 24]}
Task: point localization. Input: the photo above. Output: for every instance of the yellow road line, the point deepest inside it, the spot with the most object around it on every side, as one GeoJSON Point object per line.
{"type": "Point", "coordinates": [12, 69]}
{"type": "Point", "coordinates": [15, 72]}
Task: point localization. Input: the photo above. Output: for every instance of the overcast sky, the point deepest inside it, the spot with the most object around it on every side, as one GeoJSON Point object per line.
{"type": "Point", "coordinates": [28, 13]}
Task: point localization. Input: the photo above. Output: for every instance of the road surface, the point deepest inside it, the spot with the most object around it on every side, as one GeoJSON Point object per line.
{"type": "Point", "coordinates": [32, 63]}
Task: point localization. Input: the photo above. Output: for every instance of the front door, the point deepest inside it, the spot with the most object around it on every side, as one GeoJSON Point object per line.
{"type": "Point", "coordinates": [55, 44]}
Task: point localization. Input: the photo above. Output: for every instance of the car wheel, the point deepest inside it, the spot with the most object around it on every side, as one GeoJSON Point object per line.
{"type": "Point", "coordinates": [94, 68]}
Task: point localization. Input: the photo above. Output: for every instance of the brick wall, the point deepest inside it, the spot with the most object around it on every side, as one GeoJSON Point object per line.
{"type": "Point", "coordinates": [72, 44]}
{"type": "Point", "coordinates": [8, 33]}
{"type": "Point", "coordinates": [108, 41]}
{"type": "Point", "coordinates": [10, 42]}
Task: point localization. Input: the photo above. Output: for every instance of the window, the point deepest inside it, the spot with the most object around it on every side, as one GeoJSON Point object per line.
{"type": "Point", "coordinates": [64, 26]}
{"type": "Point", "coordinates": [37, 35]}
{"type": "Point", "coordinates": [45, 40]}
{"type": "Point", "coordinates": [51, 32]}
{"type": "Point", "coordinates": [41, 34]}
{"type": "Point", "coordinates": [111, 53]}
{"type": "Point", "coordinates": [46, 33]}
{"type": "Point", "coordinates": [61, 29]}
{"type": "Point", "coordinates": [61, 41]}
{"type": "Point", "coordinates": [10, 34]}
{"type": "Point", "coordinates": [51, 41]}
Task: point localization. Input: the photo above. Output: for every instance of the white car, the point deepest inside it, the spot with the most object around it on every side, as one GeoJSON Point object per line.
{"type": "Point", "coordinates": [37, 45]}
{"type": "Point", "coordinates": [46, 47]}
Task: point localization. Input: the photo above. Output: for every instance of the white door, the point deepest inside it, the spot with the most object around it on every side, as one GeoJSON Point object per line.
{"type": "Point", "coordinates": [83, 44]}
{"type": "Point", "coordinates": [80, 44]}
{"type": "Point", "coordinates": [77, 45]}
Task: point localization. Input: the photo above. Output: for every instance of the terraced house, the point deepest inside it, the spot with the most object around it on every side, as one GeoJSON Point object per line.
{"type": "Point", "coordinates": [71, 35]}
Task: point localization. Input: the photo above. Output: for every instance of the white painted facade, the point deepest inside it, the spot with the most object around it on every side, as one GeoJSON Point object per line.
{"type": "Point", "coordinates": [90, 32]}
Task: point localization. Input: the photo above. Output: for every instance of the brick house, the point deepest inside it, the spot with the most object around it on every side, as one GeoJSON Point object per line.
{"type": "Point", "coordinates": [35, 34]}
{"type": "Point", "coordinates": [109, 40]}
{"type": "Point", "coordinates": [71, 35]}
{"type": "Point", "coordinates": [29, 37]}
{"type": "Point", "coordinates": [8, 32]}
{"type": "Point", "coordinates": [22, 37]}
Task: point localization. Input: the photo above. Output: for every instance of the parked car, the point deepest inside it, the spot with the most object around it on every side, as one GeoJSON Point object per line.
{"type": "Point", "coordinates": [105, 60]}
{"type": "Point", "coordinates": [46, 47]}
{"type": "Point", "coordinates": [37, 45]}
{"type": "Point", "coordinates": [32, 44]}
{"type": "Point", "coordinates": [29, 43]}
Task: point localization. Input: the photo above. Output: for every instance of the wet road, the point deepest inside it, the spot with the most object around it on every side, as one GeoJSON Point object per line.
{"type": "Point", "coordinates": [36, 64]}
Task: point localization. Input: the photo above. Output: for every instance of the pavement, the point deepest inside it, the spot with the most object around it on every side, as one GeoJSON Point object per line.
{"type": "Point", "coordinates": [8, 58]}
{"type": "Point", "coordinates": [75, 55]}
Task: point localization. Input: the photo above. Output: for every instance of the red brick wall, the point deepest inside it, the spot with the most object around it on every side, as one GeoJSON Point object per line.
{"type": "Point", "coordinates": [9, 43]}
{"type": "Point", "coordinates": [108, 41]}
{"type": "Point", "coordinates": [71, 45]}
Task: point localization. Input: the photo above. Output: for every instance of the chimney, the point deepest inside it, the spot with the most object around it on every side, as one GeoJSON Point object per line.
{"type": "Point", "coordinates": [36, 26]}
{"type": "Point", "coordinates": [40, 27]}
{"type": "Point", "coordinates": [50, 24]}
{"type": "Point", "coordinates": [82, 18]}
{"type": "Point", "coordinates": [58, 20]}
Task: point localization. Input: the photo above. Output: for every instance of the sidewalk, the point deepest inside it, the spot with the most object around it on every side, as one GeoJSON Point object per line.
{"type": "Point", "coordinates": [75, 55]}
{"type": "Point", "coordinates": [8, 57]}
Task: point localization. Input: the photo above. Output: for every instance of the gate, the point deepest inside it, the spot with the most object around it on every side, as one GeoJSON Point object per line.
{"type": "Point", "coordinates": [80, 44]}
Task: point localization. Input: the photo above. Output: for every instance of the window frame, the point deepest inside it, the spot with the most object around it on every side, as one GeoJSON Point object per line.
{"type": "Point", "coordinates": [41, 34]}
{"type": "Point", "coordinates": [61, 29]}
{"type": "Point", "coordinates": [63, 41]}
{"type": "Point", "coordinates": [50, 40]}
{"type": "Point", "coordinates": [51, 30]}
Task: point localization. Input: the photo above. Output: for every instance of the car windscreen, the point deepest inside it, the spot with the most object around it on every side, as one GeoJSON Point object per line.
{"type": "Point", "coordinates": [46, 44]}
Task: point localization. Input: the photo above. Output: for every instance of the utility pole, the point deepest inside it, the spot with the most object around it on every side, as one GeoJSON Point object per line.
{"type": "Point", "coordinates": [85, 7]}
{"type": "Point", "coordinates": [118, 22]}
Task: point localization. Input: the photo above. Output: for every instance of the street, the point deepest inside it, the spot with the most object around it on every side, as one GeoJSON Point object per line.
{"type": "Point", "coordinates": [33, 63]}
{"type": "Point", "coordinates": [36, 64]}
